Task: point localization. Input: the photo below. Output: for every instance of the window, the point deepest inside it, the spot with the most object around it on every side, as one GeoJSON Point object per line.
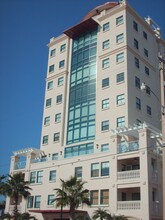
{"type": "Point", "coordinates": [120, 77]}
{"type": "Point", "coordinates": [39, 177]}
{"type": "Point", "coordinates": [56, 137]}
{"type": "Point", "coordinates": [45, 139]}
{"type": "Point", "coordinates": [32, 177]}
{"type": "Point", "coordinates": [94, 194]}
{"type": "Point", "coordinates": [135, 26]}
{"type": "Point", "coordinates": [105, 168]}
{"type": "Point", "coordinates": [51, 68]}
{"type": "Point", "coordinates": [48, 102]}
{"type": "Point", "coordinates": [58, 117]}
{"type": "Point", "coordinates": [121, 121]}
{"type": "Point", "coordinates": [78, 172]}
{"type": "Point", "coordinates": [148, 110]}
{"type": "Point", "coordinates": [148, 90]}
{"type": "Point", "coordinates": [146, 52]}
{"type": "Point", "coordinates": [105, 125]}
{"type": "Point", "coordinates": [147, 71]}
{"type": "Point", "coordinates": [104, 147]}
{"type": "Point", "coordinates": [120, 38]}
{"type": "Point", "coordinates": [53, 53]}
{"type": "Point", "coordinates": [105, 63]}
{"type": "Point", "coordinates": [37, 202]}
{"type": "Point", "coordinates": [105, 104]}
{"type": "Point", "coordinates": [120, 57]}
{"type": "Point", "coordinates": [119, 20]}
{"type": "Point", "coordinates": [105, 44]}
{"type": "Point", "coordinates": [47, 120]}
{"type": "Point", "coordinates": [137, 82]}
{"type": "Point", "coordinates": [94, 169]}
{"type": "Point", "coordinates": [137, 62]}
{"type": "Point", "coordinates": [106, 26]}
{"type": "Point", "coordinates": [105, 82]}
{"type": "Point", "coordinates": [136, 44]}
{"type": "Point", "coordinates": [59, 99]}
{"type": "Point", "coordinates": [135, 196]}
{"type": "Point", "coordinates": [61, 63]}
{"type": "Point", "coordinates": [50, 85]}
{"type": "Point", "coordinates": [60, 81]}
{"type": "Point", "coordinates": [104, 197]}
{"type": "Point", "coordinates": [30, 202]}
{"type": "Point", "coordinates": [36, 176]}
{"type": "Point", "coordinates": [120, 99]}
{"type": "Point", "coordinates": [138, 103]}
{"type": "Point", "coordinates": [55, 156]}
{"type": "Point", "coordinates": [145, 35]}
{"type": "Point", "coordinates": [52, 175]}
{"type": "Point", "coordinates": [50, 199]}
{"type": "Point", "coordinates": [63, 48]}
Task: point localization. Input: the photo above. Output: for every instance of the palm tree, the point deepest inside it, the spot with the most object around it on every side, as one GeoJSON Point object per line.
{"type": "Point", "coordinates": [102, 213]}
{"type": "Point", "coordinates": [72, 194]}
{"type": "Point", "coordinates": [14, 187]}
{"type": "Point", "coordinates": [2, 178]}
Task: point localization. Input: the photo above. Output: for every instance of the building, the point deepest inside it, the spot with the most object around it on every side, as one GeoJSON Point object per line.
{"type": "Point", "coordinates": [97, 123]}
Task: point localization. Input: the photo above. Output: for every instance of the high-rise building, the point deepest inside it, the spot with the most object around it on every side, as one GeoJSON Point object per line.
{"type": "Point", "coordinates": [98, 124]}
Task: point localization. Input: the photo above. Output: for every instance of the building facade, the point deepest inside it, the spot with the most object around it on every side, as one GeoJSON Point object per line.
{"type": "Point", "coordinates": [98, 124]}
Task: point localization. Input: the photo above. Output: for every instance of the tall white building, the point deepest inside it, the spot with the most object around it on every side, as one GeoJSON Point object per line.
{"type": "Point", "coordinates": [97, 123]}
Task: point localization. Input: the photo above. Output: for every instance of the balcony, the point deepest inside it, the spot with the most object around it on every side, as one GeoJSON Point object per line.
{"type": "Point", "coordinates": [20, 165]}
{"type": "Point", "coordinates": [124, 147]}
{"type": "Point", "coordinates": [128, 175]}
{"type": "Point", "coordinates": [128, 205]}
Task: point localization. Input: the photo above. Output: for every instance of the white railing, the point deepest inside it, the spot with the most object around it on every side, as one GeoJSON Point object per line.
{"type": "Point", "coordinates": [128, 205]}
{"type": "Point", "coordinates": [131, 174]}
{"type": "Point", "coordinates": [124, 147]}
{"type": "Point", "coordinates": [11, 208]}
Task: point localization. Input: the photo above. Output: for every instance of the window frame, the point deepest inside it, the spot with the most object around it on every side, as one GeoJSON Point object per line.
{"type": "Point", "coordinates": [105, 125]}
{"type": "Point", "coordinates": [106, 26]}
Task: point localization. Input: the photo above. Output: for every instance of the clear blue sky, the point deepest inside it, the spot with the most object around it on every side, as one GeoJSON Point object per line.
{"type": "Point", "coordinates": [25, 29]}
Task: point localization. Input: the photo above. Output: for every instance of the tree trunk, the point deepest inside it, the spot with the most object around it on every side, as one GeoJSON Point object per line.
{"type": "Point", "coordinates": [15, 211]}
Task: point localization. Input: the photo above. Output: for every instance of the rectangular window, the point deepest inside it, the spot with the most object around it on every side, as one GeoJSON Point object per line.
{"type": "Point", "coordinates": [120, 38]}
{"type": "Point", "coordinates": [48, 102]}
{"type": "Point", "coordinates": [105, 168]}
{"type": "Point", "coordinates": [106, 26]}
{"type": "Point", "coordinates": [138, 103]}
{"type": "Point", "coordinates": [105, 104]}
{"type": "Point", "coordinates": [32, 177]}
{"type": "Point", "coordinates": [105, 125]}
{"type": "Point", "coordinates": [78, 172]}
{"type": "Point", "coordinates": [148, 110]}
{"type": "Point", "coordinates": [51, 68]}
{"type": "Point", "coordinates": [39, 177]}
{"type": "Point", "coordinates": [135, 196]}
{"type": "Point", "coordinates": [137, 62]}
{"type": "Point", "coordinates": [47, 120]}
{"type": "Point", "coordinates": [61, 63]}
{"type": "Point", "coordinates": [105, 44]}
{"type": "Point", "coordinates": [121, 121]}
{"type": "Point", "coordinates": [30, 202]}
{"type": "Point", "coordinates": [145, 35]}
{"type": "Point", "coordinates": [146, 52]}
{"type": "Point", "coordinates": [55, 156]}
{"type": "Point", "coordinates": [120, 77]}
{"type": "Point", "coordinates": [59, 99]}
{"type": "Point", "coordinates": [63, 48]}
{"type": "Point", "coordinates": [120, 57]}
{"type": "Point", "coordinates": [119, 20]}
{"type": "Point", "coordinates": [45, 139]}
{"type": "Point", "coordinates": [105, 82]}
{"type": "Point", "coordinates": [147, 71]}
{"type": "Point", "coordinates": [135, 26]}
{"type": "Point", "coordinates": [105, 63]}
{"type": "Point", "coordinates": [120, 99]}
{"type": "Point", "coordinates": [53, 53]}
{"type": "Point", "coordinates": [104, 147]}
{"type": "Point", "coordinates": [50, 199]}
{"type": "Point", "coordinates": [148, 90]}
{"type": "Point", "coordinates": [58, 117]}
{"type": "Point", "coordinates": [60, 81]}
{"type": "Point", "coordinates": [104, 196]}
{"type": "Point", "coordinates": [94, 194]}
{"type": "Point", "coordinates": [94, 169]}
{"type": "Point", "coordinates": [137, 82]}
{"type": "Point", "coordinates": [52, 175]}
{"type": "Point", "coordinates": [37, 202]}
{"type": "Point", "coordinates": [136, 44]}
{"type": "Point", "coordinates": [50, 85]}
{"type": "Point", "coordinates": [56, 137]}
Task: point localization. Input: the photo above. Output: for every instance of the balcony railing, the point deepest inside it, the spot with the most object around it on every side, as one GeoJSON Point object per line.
{"type": "Point", "coordinates": [20, 165]}
{"type": "Point", "coordinates": [128, 175]}
{"type": "Point", "coordinates": [128, 146]}
{"type": "Point", "coordinates": [128, 205]}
